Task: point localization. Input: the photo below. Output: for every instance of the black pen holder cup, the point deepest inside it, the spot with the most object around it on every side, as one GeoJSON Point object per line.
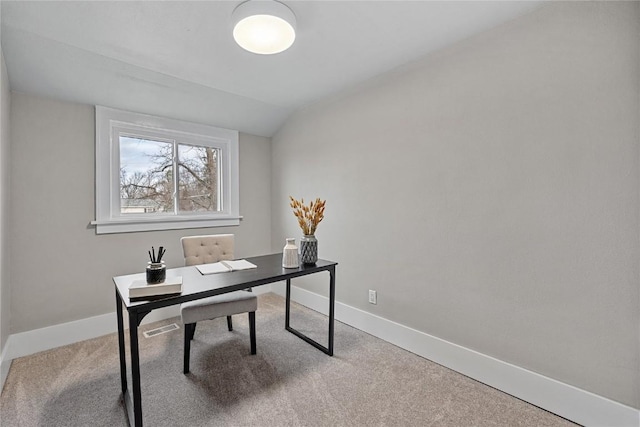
{"type": "Point", "coordinates": [156, 272]}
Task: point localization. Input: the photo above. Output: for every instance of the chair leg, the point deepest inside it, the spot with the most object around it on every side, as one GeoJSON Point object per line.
{"type": "Point", "coordinates": [229, 323]}
{"type": "Point", "coordinates": [193, 330]}
{"type": "Point", "coordinates": [252, 331]}
{"type": "Point", "coordinates": [189, 330]}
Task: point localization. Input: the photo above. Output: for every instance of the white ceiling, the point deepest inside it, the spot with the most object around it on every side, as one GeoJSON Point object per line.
{"type": "Point", "coordinates": [178, 58]}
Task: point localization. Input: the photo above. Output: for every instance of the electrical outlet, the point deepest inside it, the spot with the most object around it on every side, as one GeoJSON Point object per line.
{"type": "Point", "coordinates": [373, 297]}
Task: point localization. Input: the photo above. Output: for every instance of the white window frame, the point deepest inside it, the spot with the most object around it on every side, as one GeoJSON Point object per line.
{"type": "Point", "coordinates": [110, 123]}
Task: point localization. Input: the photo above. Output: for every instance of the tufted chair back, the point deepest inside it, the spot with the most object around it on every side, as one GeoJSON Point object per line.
{"type": "Point", "coordinates": [207, 249]}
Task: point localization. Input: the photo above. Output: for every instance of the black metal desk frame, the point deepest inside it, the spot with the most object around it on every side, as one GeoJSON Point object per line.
{"type": "Point", "coordinates": [196, 286]}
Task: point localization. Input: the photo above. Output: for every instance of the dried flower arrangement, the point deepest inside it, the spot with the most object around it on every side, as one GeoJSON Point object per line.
{"type": "Point", "coordinates": [308, 216]}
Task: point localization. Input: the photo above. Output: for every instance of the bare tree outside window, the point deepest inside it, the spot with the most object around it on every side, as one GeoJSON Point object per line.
{"type": "Point", "coordinates": [147, 181]}
{"type": "Point", "coordinates": [197, 178]}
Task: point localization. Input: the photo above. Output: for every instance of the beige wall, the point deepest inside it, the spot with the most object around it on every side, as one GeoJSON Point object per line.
{"type": "Point", "coordinates": [61, 270]}
{"type": "Point", "coordinates": [489, 193]}
{"type": "Point", "coordinates": [5, 288]}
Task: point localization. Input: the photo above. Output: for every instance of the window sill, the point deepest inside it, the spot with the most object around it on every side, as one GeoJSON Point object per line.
{"type": "Point", "coordinates": [130, 225]}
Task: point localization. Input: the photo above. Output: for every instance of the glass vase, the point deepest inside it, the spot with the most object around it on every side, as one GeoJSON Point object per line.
{"type": "Point", "coordinates": [156, 272]}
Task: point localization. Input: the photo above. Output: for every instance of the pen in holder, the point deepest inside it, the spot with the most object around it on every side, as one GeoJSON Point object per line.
{"type": "Point", "coordinates": [156, 272]}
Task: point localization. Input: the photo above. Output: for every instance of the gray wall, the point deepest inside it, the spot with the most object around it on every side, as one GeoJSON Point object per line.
{"type": "Point", "coordinates": [489, 193]}
{"type": "Point", "coordinates": [61, 270]}
{"type": "Point", "coordinates": [5, 286]}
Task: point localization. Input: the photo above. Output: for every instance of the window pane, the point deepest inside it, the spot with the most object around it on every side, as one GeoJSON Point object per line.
{"type": "Point", "coordinates": [146, 176]}
{"type": "Point", "coordinates": [198, 178]}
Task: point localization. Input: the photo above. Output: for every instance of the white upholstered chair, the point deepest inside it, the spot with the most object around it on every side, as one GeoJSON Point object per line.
{"type": "Point", "coordinates": [204, 250]}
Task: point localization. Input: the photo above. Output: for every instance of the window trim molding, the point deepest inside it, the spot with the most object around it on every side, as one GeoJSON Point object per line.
{"type": "Point", "coordinates": [107, 155]}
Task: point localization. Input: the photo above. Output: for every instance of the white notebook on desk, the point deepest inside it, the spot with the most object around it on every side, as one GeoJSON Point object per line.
{"type": "Point", "coordinates": [225, 266]}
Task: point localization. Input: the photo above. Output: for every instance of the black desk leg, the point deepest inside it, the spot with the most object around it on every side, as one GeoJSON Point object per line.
{"type": "Point", "coordinates": [287, 311]}
{"type": "Point", "coordinates": [332, 298]}
{"type": "Point", "coordinates": [332, 304]}
{"type": "Point", "coordinates": [123, 363]}
{"type": "Point", "coordinates": [135, 369]}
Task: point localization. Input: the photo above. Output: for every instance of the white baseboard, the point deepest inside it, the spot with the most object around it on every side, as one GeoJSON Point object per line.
{"type": "Point", "coordinates": [5, 364]}
{"type": "Point", "coordinates": [34, 341]}
{"type": "Point", "coordinates": [570, 402]}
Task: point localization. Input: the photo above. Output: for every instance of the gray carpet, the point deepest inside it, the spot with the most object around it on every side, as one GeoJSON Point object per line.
{"type": "Point", "coordinates": [288, 383]}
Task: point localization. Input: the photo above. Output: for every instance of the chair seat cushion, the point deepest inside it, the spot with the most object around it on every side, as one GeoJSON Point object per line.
{"type": "Point", "coordinates": [218, 306]}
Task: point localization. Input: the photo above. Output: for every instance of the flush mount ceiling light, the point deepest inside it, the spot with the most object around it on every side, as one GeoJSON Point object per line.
{"type": "Point", "coordinates": [264, 26]}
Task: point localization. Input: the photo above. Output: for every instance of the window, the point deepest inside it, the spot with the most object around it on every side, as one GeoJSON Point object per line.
{"type": "Point", "coordinates": [158, 174]}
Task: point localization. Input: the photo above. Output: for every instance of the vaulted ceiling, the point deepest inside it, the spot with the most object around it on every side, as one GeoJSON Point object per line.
{"type": "Point", "coordinates": [178, 58]}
